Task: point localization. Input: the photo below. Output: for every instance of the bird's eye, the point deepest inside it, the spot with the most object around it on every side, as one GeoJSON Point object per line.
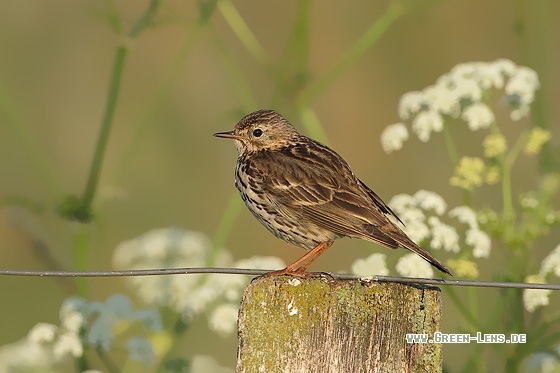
{"type": "Point", "coordinates": [257, 132]}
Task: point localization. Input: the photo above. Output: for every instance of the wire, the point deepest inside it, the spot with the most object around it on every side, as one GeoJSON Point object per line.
{"type": "Point", "coordinates": [258, 272]}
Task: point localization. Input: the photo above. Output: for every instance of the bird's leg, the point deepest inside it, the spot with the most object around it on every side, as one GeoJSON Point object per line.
{"type": "Point", "coordinates": [310, 257]}
{"type": "Point", "coordinates": [299, 266]}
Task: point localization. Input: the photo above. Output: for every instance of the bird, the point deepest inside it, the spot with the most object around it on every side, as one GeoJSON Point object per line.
{"type": "Point", "coordinates": [306, 194]}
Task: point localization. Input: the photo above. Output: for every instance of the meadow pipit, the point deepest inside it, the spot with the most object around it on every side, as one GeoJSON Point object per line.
{"type": "Point", "coordinates": [305, 193]}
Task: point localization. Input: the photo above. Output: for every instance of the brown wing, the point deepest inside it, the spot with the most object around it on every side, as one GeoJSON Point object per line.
{"type": "Point", "coordinates": [317, 185]}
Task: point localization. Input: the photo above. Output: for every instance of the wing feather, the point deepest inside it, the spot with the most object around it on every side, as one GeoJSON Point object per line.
{"type": "Point", "coordinates": [320, 188]}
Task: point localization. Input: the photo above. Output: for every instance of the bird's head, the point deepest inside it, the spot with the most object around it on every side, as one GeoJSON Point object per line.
{"type": "Point", "coordinates": [261, 130]}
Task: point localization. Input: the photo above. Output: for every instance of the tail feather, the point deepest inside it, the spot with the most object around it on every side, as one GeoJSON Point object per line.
{"type": "Point", "coordinates": [410, 245]}
{"type": "Point", "coordinates": [393, 237]}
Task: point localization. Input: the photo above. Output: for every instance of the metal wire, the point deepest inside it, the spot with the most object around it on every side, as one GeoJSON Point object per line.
{"type": "Point", "coordinates": [258, 272]}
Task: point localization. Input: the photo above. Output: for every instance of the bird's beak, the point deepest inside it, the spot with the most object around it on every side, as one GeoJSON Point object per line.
{"type": "Point", "coordinates": [227, 135]}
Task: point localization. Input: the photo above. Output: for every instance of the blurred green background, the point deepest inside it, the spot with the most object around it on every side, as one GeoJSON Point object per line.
{"type": "Point", "coordinates": [184, 80]}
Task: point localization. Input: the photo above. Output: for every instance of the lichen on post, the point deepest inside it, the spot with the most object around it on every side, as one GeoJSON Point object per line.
{"type": "Point", "coordinates": [321, 325]}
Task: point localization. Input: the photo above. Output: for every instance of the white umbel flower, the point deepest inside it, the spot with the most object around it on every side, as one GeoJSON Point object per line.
{"type": "Point", "coordinates": [478, 116]}
{"type": "Point", "coordinates": [375, 264]}
{"type": "Point", "coordinates": [68, 344]}
{"type": "Point", "coordinates": [465, 215]}
{"type": "Point", "coordinates": [534, 298]}
{"type": "Point", "coordinates": [429, 200]}
{"type": "Point", "coordinates": [42, 333]}
{"type": "Point", "coordinates": [461, 93]}
{"type": "Point", "coordinates": [443, 236]}
{"type": "Point", "coordinates": [393, 137]}
{"type": "Point", "coordinates": [480, 242]}
{"type": "Point", "coordinates": [410, 104]}
{"type": "Point", "coordinates": [223, 319]}
{"type": "Point", "coordinates": [411, 265]}
{"type": "Point", "coordinates": [427, 122]}
{"type": "Point", "coordinates": [551, 264]}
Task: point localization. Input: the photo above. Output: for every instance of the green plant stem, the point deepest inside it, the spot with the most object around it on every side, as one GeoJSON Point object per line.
{"type": "Point", "coordinates": [507, 198]}
{"type": "Point", "coordinates": [81, 363]}
{"type": "Point", "coordinates": [112, 16]}
{"type": "Point", "coordinates": [145, 19]}
{"type": "Point", "coordinates": [450, 145]}
{"type": "Point", "coordinates": [372, 35]}
{"type": "Point", "coordinates": [112, 95]}
{"type": "Point", "coordinates": [243, 32]}
{"type": "Point", "coordinates": [106, 124]}
{"type": "Point", "coordinates": [454, 157]}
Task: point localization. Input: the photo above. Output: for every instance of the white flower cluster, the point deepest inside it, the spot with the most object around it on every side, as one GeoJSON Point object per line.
{"type": "Point", "coordinates": [551, 264]}
{"type": "Point", "coordinates": [82, 324]}
{"type": "Point", "coordinates": [475, 238]}
{"type": "Point", "coordinates": [421, 214]}
{"type": "Point", "coordinates": [534, 298]}
{"type": "Point", "coordinates": [375, 264]}
{"type": "Point", "coordinates": [412, 265]}
{"type": "Point", "coordinates": [216, 294]}
{"type": "Point", "coordinates": [460, 93]}
{"type": "Point", "coordinates": [25, 356]}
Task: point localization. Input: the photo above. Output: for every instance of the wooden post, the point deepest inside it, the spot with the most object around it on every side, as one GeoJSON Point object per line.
{"type": "Point", "coordinates": [319, 325]}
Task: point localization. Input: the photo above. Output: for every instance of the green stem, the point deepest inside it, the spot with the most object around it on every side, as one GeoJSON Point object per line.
{"type": "Point", "coordinates": [112, 95]}
{"type": "Point", "coordinates": [225, 225]}
{"type": "Point", "coordinates": [450, 145]}
{"type": "Point", "coordinates": [243, 32]}
{"type": "Point", "coordinates": [106, 124]}
{"type": "Point", "coordinates": [372, 35]}
{"type": "Point", "coordinates": [507, 198]}
{"type": "Point", "coordinates": [145, 20]}
{"type": "Point", "coordinates": [112, 16]}
{"type": "Point", "coordinates": [454, 157]}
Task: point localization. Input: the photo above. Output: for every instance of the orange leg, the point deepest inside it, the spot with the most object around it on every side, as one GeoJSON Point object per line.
{"type": "Point", "coordinates": [299, 266]}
